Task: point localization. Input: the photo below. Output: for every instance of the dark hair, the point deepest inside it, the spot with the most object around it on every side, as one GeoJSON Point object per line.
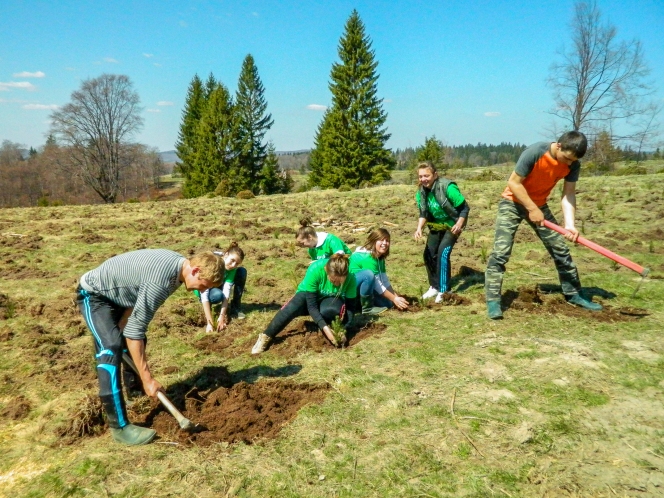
{"type": "Point", "coordinates": [427, 165]}
{"type": "Point", "coordinates": [234, 248]}
{"type": "Point", "coordinates": [337, 265]}
{"type": "Point", "coordinates": [375, 236]}
{"type": "Point", "coordinates": [574, 142]}
{"type": "Point", "coordinates": [306, 231]}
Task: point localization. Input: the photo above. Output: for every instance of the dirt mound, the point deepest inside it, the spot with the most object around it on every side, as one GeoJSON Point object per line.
{"type": "Point", "coordinates": [299, 336]}
{"type": "Point", "coordinates": [449, 299]}
{"type": "Point", "coordinates": [16, 408]}
{"type": "Point", "coordinates": [7, 307]}
{"type": "Point", "coordinates": [87, 421]}
{"type": "Point", "coordinates": [23, 242]}
{"type": "Point", "coordinates": [242, 413]}
{"type": "Point", "coordinates": [531, 300]}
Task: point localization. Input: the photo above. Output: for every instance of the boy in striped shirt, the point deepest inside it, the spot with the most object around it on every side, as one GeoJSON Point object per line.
{"type": "Point", "coordinates": [118, 300]}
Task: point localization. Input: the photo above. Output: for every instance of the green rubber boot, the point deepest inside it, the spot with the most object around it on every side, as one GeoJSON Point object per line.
{"type": "Point", "coordinates": [133, 435]}
{"type": "Point", "coordinates": [368, 308]}
{"type": "Point", "coordinates": [581, 302]}
{"type": "Point", "coordinates": [493, 310]}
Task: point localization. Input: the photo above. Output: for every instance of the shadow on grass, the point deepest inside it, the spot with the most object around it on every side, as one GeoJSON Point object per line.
{"type": "Point", "coordinates": [466, 278]}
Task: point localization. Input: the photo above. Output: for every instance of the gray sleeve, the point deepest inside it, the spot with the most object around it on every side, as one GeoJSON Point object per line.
{"type": "Point", "coordinates": [529, 157]}
{"type": "Point", "coordinates": [574, 169]}
{"type": "Point", "coordinates": [150, 298]}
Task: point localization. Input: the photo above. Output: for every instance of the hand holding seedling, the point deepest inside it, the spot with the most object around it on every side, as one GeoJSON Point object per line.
{"type": "Point", "coordinates": [222, 322]}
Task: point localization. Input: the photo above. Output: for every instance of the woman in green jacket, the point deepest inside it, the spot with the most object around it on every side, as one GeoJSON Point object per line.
{"type": "Point", "coordinates": [445, 211]}
{"type": "Point", "coordinates": [327, 292]}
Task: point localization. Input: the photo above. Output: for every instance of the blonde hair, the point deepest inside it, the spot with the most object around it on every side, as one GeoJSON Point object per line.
{"type": "Point", "coordinates": [211, 266]}
{"type": "Point", "coordinates": [337, 265]}
{"type": "Point", "coordinates": [306, 231]}
{"type": "Point", "coordinates": [375, 236]}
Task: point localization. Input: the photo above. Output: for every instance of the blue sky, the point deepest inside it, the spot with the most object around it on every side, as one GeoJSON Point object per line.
{"type": "Point", "coordinates": [467, 72]}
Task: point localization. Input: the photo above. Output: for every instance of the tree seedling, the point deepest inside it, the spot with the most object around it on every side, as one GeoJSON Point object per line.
{"type": "Point", "coordinates": [338, 332]}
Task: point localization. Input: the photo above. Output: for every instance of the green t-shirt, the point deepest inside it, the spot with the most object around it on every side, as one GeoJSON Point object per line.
{"type": "Point", "coordinates": [436, 212]}
{"type": "Point", "coordinates": [330, 245]}
{"type": "Point", "coordinates": [362, 259]}
{"type": "Point", "coordinates": [315, 280]}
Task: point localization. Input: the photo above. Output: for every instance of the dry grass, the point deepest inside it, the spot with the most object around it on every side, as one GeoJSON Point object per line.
{"type": "Point", "coordinates": [548, 402]}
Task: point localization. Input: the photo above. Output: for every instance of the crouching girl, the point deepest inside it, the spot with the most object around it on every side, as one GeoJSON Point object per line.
{"type": "Point", "coordinates": [327, 292]}
{"type": "Point", "coordinates": [233, 287]}
{"type": "Point", "coordinates": [367, 263]}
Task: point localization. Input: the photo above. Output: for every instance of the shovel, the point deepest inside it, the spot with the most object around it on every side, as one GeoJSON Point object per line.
{"type": "Point", "coordinates": [184, 423]}
{"type": "Point", "coordinates": [604, 252]}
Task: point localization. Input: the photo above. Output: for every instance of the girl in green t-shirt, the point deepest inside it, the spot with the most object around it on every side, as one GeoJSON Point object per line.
{"type": "Point", "coordinates": [234, 282]}
{"type": "Point", "coordinates": [327, 292]}
{"type": "Point", "coordinates": [321, 245]}
{"type": "Point", "coordinates": [367, 263]}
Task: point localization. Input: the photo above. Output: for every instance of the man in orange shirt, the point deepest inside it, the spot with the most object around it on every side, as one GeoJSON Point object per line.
{"type": "Point", "coordinates": [537, 171]}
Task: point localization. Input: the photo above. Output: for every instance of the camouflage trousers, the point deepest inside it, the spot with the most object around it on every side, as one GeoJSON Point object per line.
{"type": "Point", "coordinates": [510, 215]}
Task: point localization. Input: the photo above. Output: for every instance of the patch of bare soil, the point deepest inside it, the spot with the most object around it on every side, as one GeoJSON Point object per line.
{"type": "Point", "coordinates": [449, 299]}
{"type": "Point", "coordinates": [299, 336]}
{"type": "Point", "coordinates": [531, 300]}
{"type": "Point", "coordinates": [241, 413]}
{"type": "Point", "coordinates": [16, 408]}
{"type": "Point", "coordinates": [20, 272]}
{"type": "Point", "coordinates": [22, 242]}
{"type": "Point", "coordinates": [73, 372]}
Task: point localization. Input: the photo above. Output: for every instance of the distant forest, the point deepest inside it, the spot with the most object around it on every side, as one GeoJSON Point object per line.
{"type": "Point", "coordinates": [458, 156]}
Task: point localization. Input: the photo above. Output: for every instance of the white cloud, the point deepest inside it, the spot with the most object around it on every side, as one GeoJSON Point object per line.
{"type": "Point", "coordinates": [111, 60]}
{"type": "Point", "coordinates": [153, 110]}
{"type": "Point", "coordinates": [148, 55]}
{"type": "Point", "coordinates": [492, 114]}
{"type": "Point", "coordinates": [156, 64]}
{"type": "Point", "coordinates": [17, 84]}
{"type": "Point", "coordinates": [40, 107]}
{"type": "Point", "coordinates": [316, 107]}
{"type": "Point", "coordinates": [255, 14]}
{"type": "Point", "coordinates": [164, 103]}
{"type": "Point", "coordinates": [26, 74]}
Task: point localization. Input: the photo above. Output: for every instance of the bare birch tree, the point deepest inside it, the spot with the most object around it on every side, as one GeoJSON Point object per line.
{"type": "Point", "coordinates": [96, 128]}
{"type": "Point", "coordinates": [599, 78]}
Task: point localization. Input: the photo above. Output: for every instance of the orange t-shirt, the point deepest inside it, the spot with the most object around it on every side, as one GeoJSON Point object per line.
{"type": "Point", "coordinates": [541, 172]}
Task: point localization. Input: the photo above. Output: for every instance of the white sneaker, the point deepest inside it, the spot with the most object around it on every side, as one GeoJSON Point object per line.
{"type": "Point", "coordinates": [262, 344]}
{"type": "Point", "coordinates": [439, 298]}
{"type": "Point", "coordinates": [430, 293]}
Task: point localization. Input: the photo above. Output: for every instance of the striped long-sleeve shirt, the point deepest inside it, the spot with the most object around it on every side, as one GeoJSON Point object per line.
{"type": "Point", "coordinates": [141, 280]}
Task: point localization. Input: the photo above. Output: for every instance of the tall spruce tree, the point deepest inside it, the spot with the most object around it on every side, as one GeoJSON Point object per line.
{"type": "Point", "coordinates": [215, 155]}
{"type": "Point", "coordinates": [193, 110]}
{"type": "Point", "coordinates": [349, 147]}
{"type": "Point", "coordinates": [253, 124]}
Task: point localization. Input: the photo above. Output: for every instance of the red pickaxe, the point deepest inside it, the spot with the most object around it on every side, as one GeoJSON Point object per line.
{"type": "Point", "coordinates": [603, 251]}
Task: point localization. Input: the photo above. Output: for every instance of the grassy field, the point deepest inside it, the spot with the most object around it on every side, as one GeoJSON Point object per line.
{"type": "Point", "coordinates": [439, 401]}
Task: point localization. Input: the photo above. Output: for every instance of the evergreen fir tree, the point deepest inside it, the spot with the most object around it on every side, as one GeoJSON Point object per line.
{"type": "Point", "coordinates": [350, 142]}
{"type": "Point", "coordinates": [253, 124]}
{"type": "Point", "coordinates": [432, 150]}
{"type": "Point", "coordinates": [273, 180]}
{"type": "Point", "coordinates": [215, 157]}
{"type": "Point", "coordinates": [193, 110]}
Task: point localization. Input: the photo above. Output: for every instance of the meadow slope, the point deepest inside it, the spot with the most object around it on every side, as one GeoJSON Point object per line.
{"type": "Point", "coordinates": [439, 401]}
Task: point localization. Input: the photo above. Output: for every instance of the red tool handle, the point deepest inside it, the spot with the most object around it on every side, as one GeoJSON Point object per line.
{"type": "Point", "coordinates": [602, 250]}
